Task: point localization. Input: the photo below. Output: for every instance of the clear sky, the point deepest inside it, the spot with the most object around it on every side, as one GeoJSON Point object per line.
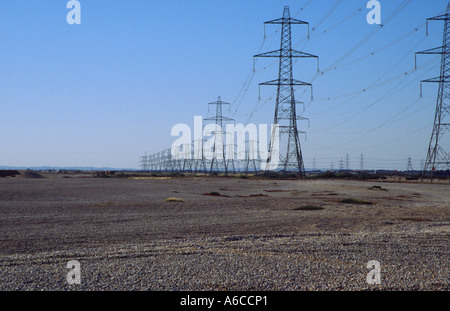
{"type": "Point", "coordinates": [106, 91]}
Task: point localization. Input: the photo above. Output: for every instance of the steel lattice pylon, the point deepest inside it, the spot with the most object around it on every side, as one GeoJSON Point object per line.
{"type": "Point", "coordinates": [290, 153]}
{"type": "Point", "coordinates": [219, 152]}
{"type": "Point", "coordinates": [438, 157]}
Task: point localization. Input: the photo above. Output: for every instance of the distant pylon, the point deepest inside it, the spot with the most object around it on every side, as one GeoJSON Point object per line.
{"type": "Point", "coordinates": [229, 154]}
{"type": "Point", "coordinates": [409, 167]}
{"type": "Point", "coordinates": [251, 157]}
{"type": "Point", "coordinates": [361, 164]}
{"type": "Point", "coordinates": [168, 162]}
{"type": "Point", "coordinates": [218, 156]}
{"type": "Point", "coordinates": [188, 158]}
{"type": "Point", "coordinates": [290, 154]}
{"type": "Point", "coordinates": [199, 157]}
{"type": "Point", "coordinates": [341, 164]}
{"type": "Point", "coordinates": [144, 162]}
{"type": "Point", "coordinates": [438, 156]}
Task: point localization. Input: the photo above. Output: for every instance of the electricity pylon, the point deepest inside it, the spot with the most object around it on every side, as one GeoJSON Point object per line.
{"type": "Point", "coordinates": [144, 162]}
{"type": "Point", "coordinates": [199, 157]}
{"type": "Point", "coordinates": [409, 167]}
{"type": "Point", "coordinates": [438, 156]}
{"type": "Point", "coordinates": [290, 154]}
{"type": "Point", "coordinates": [218, 156]}
{"type": "Point", "coordinates": [361, 163]}
{"type": "Point", "coordinates": [230, 157]}
{"type": "Point", "coordinates": [251, 157]}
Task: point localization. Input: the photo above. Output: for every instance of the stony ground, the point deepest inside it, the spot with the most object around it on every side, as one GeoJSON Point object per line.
{"type": "Point", "coordinates": [226, 234]}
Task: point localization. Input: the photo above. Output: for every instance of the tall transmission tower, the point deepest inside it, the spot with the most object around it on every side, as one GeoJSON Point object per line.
{"type": "Point", "coordinates": [290, 154]}
{"type": "Point", "coordinates": [219, 151]}
{"type": "Point", "coordinates": [438, 156]}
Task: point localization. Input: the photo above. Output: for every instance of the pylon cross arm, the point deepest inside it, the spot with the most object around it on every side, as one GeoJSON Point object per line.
{"type": "Point", "coordinates": [287, 21]}
{"type": "Point", "coordinates": [442, 17]}
{"type": "Point", "coordinates": [444, 79]}
{"type": "Point", "coordinates": [218, 118]}
{"type": "Point", "coordinates": [439, 50]}
{"type": "Point", "coordinates": [293, 82]}
{"type": "Point", "coordinates": [284, 53]}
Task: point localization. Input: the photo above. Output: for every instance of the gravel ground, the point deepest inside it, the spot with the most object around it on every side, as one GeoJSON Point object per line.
{"type": "Point", "coordinates": [126, 238]}
{"type": "Point", "coordinates": [291, 262]}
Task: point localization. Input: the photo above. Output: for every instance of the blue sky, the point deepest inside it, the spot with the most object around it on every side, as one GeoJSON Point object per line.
{"type": "Point", "coordinates": [104, 92]}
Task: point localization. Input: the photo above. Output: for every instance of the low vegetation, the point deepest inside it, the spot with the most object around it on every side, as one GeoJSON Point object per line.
{"type": "Point", "coordinates": [308, 208]}
{"type": "Point", "coordinates": [356, 201]}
